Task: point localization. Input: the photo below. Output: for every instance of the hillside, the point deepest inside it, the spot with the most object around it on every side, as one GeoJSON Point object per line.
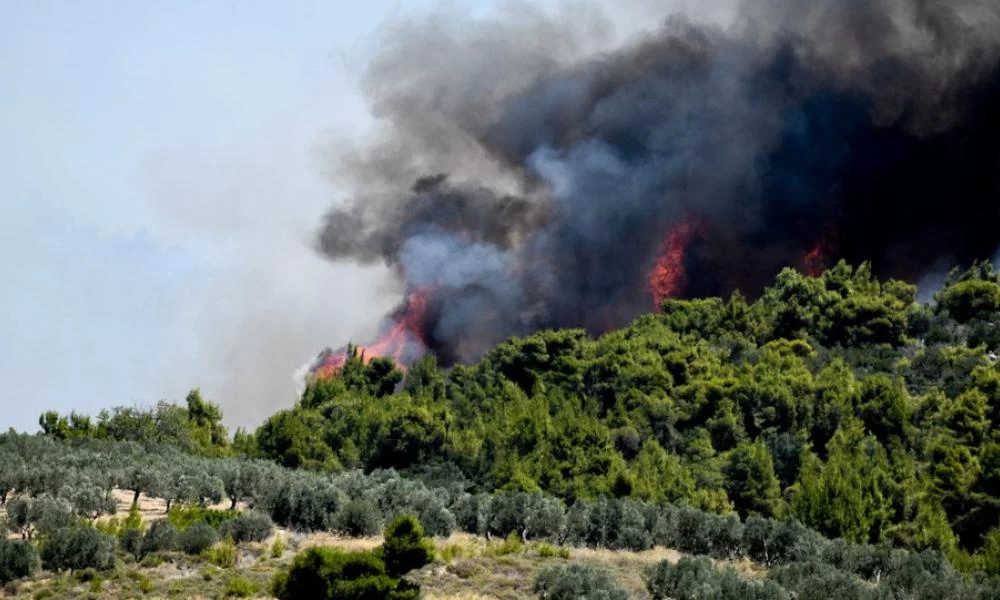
{"type": "Point", "coordinates": [836, 400]}
{"type": "Point", "coordinates": [833, 432]}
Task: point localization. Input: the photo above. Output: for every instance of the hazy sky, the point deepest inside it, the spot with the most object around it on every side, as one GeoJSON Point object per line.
{"type": "Point", "coordinates": [161, 171]}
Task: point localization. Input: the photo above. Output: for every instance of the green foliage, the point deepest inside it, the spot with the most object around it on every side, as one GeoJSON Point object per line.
{"type": "Point", "coordinates": [572, 582]}
{"type": "Point", "coordinates": [359, 518]}
{"type": "Point", "coordinates": [77, 548]}
{"type": "Point", "coordinates": [250, 526]}
{"type": "Point", "coordinates": [697, 579]}
{"type": "Point", "coordinates": [183, 517]}
{"type": "Point", "coordinates": [833, 401]}
{"type": "Point", "coordinates": [970, 299]}
{"type": "Point", "coordinates": [405, 548]}
{"type": "Point", "coordinates": [849, 496]}
{"type": "Point", "coordinates": [197, 538]}
{"type": "Point", "coordinates": [196, 428]}
{"type": "Point", "coordinates": [278, 548]}
{"type": "Point", "coordinates": [223, 555]}
{"type": "Point", "coordinates": [512, 544]}
{"type": "Point", "coordinates": [330, 573]}
{"type": "Point", "coordinates": [43, 515]}
{"type": "Point", "coordinates": [237, 587]}
{"type": "Point", "coordinates": [162, 536]}
{"type": "Point", "coordinates": [751, 482]}
{"type": "Point", "coordinates": [17, 560]}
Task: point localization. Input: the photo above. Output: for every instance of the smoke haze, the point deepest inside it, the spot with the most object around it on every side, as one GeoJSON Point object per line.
{"type": "Point", "coordinates": [528, 167]}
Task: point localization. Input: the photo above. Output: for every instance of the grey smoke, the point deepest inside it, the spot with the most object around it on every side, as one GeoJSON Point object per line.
{"type": "Point", "coordinates": [528, 179]}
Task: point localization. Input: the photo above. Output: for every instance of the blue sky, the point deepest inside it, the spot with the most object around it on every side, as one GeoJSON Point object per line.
{"type": "Point", "coordinates": [159, 175]}
{"type": "Point", "coordinates": [161, 171]}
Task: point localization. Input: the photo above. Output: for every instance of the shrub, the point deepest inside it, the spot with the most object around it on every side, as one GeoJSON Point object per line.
{"type": "Point", "coordinates": [572, 582]}
{"type": "Point", "coordinates": [130, 541]}
{"type": "Point", "coordinates": [697, 579]}
{"type": "Point", "coordinates": [197, 538]}
{"type": "Point", "coordinates": [161, 537]}
{"type": "Point", "coordinates": [145, 585]}
{"type": "Point", "coordinates": [43, 515]}
{"type": "Point", "coordinates": [437, 520]}
{"type": "Point", "coordinates": [239, 588]}
{"type": "Point", "coordinates": [302, 504]}
{"type": "Point", "coordinates": [358, 518]}
{"type": "Point", "coordinates": [183, 517]}
{"type": "Point", "coordinates": [224, 555]}
{"type": "Point", "coordinates": [251, 526]}
{"type": "Point", "coordinates": [545, 550]}
{"type": "Point", "coordinates": [405, 547]}
{"type": "Point", "coordinates": [278, 548]}
{"type": "Point", "coordinates": [458, 550]}
{"type": "Point", "coordinates": [472, 513]}
{"type": "Point", "coordinates": [815, 581]}
{"type": "Point", "coordinates": [332, 573]}
{"type": "Point", "coordinates": [17, 560]}
{"type": "Point", "coordinates": [511, 545]}
{"type": "Point", "coordinates": [78, 548]}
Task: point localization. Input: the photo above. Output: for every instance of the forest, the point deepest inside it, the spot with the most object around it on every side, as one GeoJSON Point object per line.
{"type": "Point", "coordinates": [834, 431]}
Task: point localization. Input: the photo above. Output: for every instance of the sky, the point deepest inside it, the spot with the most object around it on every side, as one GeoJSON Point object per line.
{"type": "Point", "coordinates": [161, 176]}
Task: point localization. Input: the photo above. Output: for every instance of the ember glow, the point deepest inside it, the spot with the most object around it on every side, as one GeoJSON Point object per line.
{"type": "Point", "coordinates": [668, 276]}
{"type": "Point", "coordinates": [819, 256]}
{"type": "Point", "coordinates": [403, 341]}
{"type": "Point", "coordinates": [552, 193]}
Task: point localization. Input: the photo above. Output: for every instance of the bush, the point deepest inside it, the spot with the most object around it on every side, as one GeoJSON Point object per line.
{"type": "Point", "coordinates": [358, 518]}
{"type": "Point", "coordinates": [78, 548]}
{"type": "Point", "coordinates": [130, 541]}
{"type": "Point", "coordinates": [17, 560]}
{"type": "Point", "coordinates": [437, 520]}
{"type": "Point", "coordinates": [405, 547]}
{"type": "Point", "coordinates": [183, 517]}
{"type": "Point", "coordinates": [332, 573]}
{"type": "Point", "coordinates": [511, 545]}
{"type": "Point", "coordinates": [239, 588]}
{"type": "Point", "coordinates": [161, 537]}
{"type": "Point", "coordinates": [816, 581]}
{"type": "Point", "coordinates": [697, 579]}
{"type": "Point", "coordinates": [251, 526]}
{"type": "Point", "coordinates": [578, 581]}
{"type": "Point", "coordinates": [278, 548]}
{"type": "Point", "coordinates": [223, 555]}
{"type": "Point", "coordinates": [197, 538]}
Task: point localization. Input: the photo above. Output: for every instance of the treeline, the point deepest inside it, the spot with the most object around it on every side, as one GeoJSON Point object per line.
{"type": "Point", "coordinates": [195, 428]}
{"type": "Point", "coordinates": [837, 400]}
{"type": "Point", "coordinates": [909, 576]}
{"type": "Point", "coordinates": [44, 507]}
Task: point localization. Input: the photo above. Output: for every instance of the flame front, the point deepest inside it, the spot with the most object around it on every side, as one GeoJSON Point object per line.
{"type": "Point", "coordinates": [818, 258]}
{"type": "Point", "coordinates": [403, 341]}
{"type": "Point", "coordinates": [668, 277]}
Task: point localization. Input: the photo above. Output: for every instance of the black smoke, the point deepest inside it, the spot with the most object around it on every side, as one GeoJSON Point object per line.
{"type": "Point", "coordinates": [547, 176]}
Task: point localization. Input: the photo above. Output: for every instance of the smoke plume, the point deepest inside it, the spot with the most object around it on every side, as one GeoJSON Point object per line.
{"type": "Point", "coordinates": [521, 180]}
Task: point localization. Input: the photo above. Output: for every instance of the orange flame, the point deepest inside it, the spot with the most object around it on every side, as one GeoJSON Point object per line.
{"type": "Point", "coordinates": [405, 336]}
{"type": "Point", "coordinates": [818, 258]}
{"type": "Point", "coordinates": [667, 278]}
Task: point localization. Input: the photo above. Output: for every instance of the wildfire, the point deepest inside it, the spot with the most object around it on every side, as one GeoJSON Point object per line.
{"type": "Point", "coordinates": [668, 276]}
{"type": "Point", "coordinates": [817, 259]}
{"type": "Point", "coordinates": [403, 340]}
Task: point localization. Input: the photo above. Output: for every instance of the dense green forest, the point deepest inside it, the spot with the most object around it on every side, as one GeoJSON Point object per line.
{"type": "Point", "coordinates": [837, 400]}
{"type": "Point", "coordinates": [833, 423]}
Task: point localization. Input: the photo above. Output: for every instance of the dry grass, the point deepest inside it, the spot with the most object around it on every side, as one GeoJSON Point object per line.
{"type": "Point", "coordinates": [334, 541]}
{"type": "Point", "coordinates": [467, 568]}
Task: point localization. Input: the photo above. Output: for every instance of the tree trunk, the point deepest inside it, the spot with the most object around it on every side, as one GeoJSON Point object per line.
{"type": "Point", "coordinates": [135, 498]}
